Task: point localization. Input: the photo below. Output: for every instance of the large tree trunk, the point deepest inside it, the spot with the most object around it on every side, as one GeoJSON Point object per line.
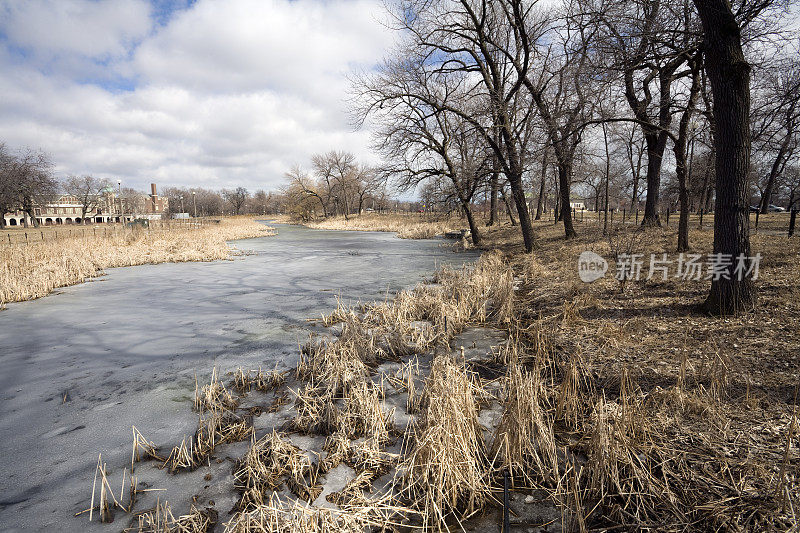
{"type": "Point", "coordinates": [656, 144]}
{"type": "Point", "coordinates": [729, 74]}
{"type": "Point", "coordinates": [564, 178]}
{"type": "Point", "coordinates": [607, 176]}
{"type": "Point", "coordinates": [473, 226]}
{"type": "Point", "coordinates": [518, 193]}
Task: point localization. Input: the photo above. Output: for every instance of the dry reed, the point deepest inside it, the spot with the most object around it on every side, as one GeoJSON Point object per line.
{"type": "Point", "coordinates": [271, 461]}
{"type": "Point", "coordinates": [406, 226]}
{"type": "Point", "coordinates": [161, 520]}
{"type": "Point", "coordinates": [444, 474]}
{"type": "Point", "coordinates": [29, 271]}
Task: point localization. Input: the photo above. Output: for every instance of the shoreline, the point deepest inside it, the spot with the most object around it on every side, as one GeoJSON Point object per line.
{"type": "Point", "coordinates": [561, 402]}
{"type": "Point", "coordinates": [32, 271]}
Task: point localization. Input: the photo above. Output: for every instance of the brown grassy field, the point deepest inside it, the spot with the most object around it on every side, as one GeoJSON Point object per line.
{"type": "Point", "coordinates": [33, 270]}
{"type": "Point", "coordinates": [426, 226]}
{"type": "Point", "coordinates": [611, 407]}
{"type": "Point", "coordinates": [406, 225]}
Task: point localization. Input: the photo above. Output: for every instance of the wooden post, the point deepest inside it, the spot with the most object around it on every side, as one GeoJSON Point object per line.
{"type": "Point", "coordinates": [701, 217]}
{"type": "Point", "coordinates": [637, 217]}
{"type": "Point", "coordinates": [623, 215]}
{"type": "Point", "coordinates": [757, 213]}
{"type": "Point", "coordinates": [792, 218]}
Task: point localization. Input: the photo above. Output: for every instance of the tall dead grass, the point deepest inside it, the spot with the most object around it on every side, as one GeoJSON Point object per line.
{"type": "Point", "coordinates": [36, 269]}
{"type": "Point", "coordinates": [445, 472]}
{"type": "Point", "coordinates": [411, 226]}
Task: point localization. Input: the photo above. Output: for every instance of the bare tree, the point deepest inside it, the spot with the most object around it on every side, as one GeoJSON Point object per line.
{"type": "Point", "coordinates": [8, 184]}
{"type": "Point", "coordinates": [776, 122]}
{"type": "Point", "coordinates": [421, 138]}
{"type": "Point", "coordinates": [301, 185]}
{"type": "Point", "coordinates": [650, 40]}
{"type": "Point", "coordinates": [679, 150]}
{"type": "Point", "coordinates": [88, 190]}
{"type": "Point", "coordinates": [729, 74]}
{"type": "Point", "coordinates": [474, 45]}
{"type": "Point", "coordinates": [560, 86]}
{"type": "Point", "coordinates": [237, 198]}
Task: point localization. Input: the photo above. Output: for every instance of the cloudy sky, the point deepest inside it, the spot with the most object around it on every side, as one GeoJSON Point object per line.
{"type": "Point", "coordinates": [214, 93]}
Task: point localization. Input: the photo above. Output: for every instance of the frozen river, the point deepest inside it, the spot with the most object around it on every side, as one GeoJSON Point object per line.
{"type": "Point", "coordinates": [81, 366]}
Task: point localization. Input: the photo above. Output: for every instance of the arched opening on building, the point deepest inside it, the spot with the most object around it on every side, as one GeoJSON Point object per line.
{"type": "Point", "coordinates": [59, 221]}
{"type": "Point", "coordinates": [78, 220]}
{"type": "Point", "coordinates": [12, 222]}
{"type": "Point", "coordinates": [67, 220]}
{"type": "Point", "coordinates": [48, 221]}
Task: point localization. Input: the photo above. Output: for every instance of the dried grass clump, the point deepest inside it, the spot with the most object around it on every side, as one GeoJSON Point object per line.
{"type": "Point", "coordinates": [342, 313]}
{"type": "Point", "coordinates": [213, 396]}
{"type": "Point", "coordinates": [369, 456]}
{"type": "Point", "coordinates": [363, 413]}
{"type": "Point", "coordinates": [29, 271]}
{"type": "Point", "coordinates": [316, 411]}
{"type": "Point", "coordinates": [524, 441]}
{"type": "Point", "coordinates": [415, 321]}
{"type": "Point", "coordinates": [360, 414]}
{"type": "Point", "coordinates": [244, 381]}
{"type": "Point", "coordinates": [622, 472]}
{"type": "Point", "coordinates": [445, 473]}
{"type": "Point", "coordinates": [218, 428]}
{"type": "Point", "coordinates": [332, 364]}
{"type": "Point", "coordinates": [269, 462]}
{"type": "Point", "coordinates": [277, 516]}
{"type": "Point", "coordinates": [142, 448]}
{"type": "Point", "coordinates": [161, 520]}
{"type": "Point", "coordinates": [338, 450]}
{"type": "Point", "coordinates": [574, 392]}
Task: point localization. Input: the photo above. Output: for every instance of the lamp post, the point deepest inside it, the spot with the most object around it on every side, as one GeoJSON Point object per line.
{"type": "Point", "coordinates": [119, 189]}
{"type": "Point", "coordinates": [182, 204]}
{"type": "Point", "coordinates": [194, 201]}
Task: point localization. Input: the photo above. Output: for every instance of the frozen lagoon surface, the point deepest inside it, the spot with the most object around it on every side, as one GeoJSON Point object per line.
{"type": "Point", "coordinates": [123, 351]}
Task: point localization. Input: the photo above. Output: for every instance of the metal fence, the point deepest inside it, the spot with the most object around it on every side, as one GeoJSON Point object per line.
{"type": "Point", "coordinates": [771, 224]}
{"type": "Point", "coordinates": [30, 235]}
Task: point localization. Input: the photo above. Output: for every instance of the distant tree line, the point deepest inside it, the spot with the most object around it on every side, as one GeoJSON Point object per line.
{"type": "Point", "coordinates": [27, 181]}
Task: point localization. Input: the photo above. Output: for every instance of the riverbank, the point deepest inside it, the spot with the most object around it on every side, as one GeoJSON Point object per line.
{"type": "Point", "coordinates": [30, 270]}
{"type": "Point", "coordinates": [606, 406]}
{"type": "Point", "coordinates": [406, 225]}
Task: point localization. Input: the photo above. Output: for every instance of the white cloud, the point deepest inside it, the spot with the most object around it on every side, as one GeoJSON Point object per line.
{"type": "Point", "coordinates": [89, 28]}
{"type": "Point", "coordinates": [226, 93]}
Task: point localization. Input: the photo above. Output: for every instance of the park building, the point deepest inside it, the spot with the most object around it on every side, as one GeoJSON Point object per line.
{"type": "Point", "coordinates": [107, 208]}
